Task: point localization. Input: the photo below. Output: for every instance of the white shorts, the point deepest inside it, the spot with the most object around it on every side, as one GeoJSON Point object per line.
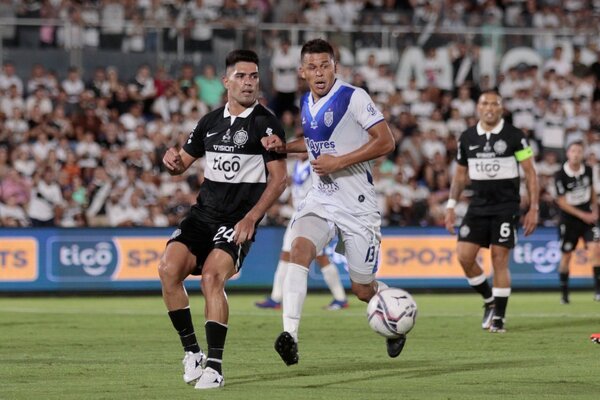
{"type": "Point", "coordinates": [287, 239]}
{"type": "Point", "coordinates": [359, 235]}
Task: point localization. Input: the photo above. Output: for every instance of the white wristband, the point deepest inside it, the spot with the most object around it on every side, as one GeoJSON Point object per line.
{"type": "Point", "coordinates": [451, 203]}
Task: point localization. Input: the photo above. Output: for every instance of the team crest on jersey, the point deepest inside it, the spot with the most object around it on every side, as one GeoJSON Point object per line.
{"type": "Point", "coordinates": [500, 146]}
{"type": "Point", "coordinates": [227, 136]}
{"type": "Point", "coordinates": [240, 138]}
{"type": "Point", "coordinates": [313, 124]}
{"type": "Point", "coordinates": [328, 118]}
{"type": "Point", "coordinates": [464, 231]}
{"type": "Point", "coordinates": [371, 109]}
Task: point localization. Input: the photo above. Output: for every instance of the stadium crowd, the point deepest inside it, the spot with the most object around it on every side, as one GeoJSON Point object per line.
{"type": "Point", "coordinates": [87, 152]}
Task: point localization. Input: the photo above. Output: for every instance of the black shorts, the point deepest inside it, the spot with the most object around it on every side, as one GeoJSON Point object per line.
{"type": "Point", "coordinates": [499, 230]}
{"type": "Point", "coordinates": [571, 229]}
{"type": "Point", "coordinates": [202, 237]}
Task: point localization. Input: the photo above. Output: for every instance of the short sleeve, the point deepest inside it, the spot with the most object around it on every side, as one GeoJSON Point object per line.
{"type": "Point", "coordinates": [267, 126]}
{"type": "Point", "coordinates": [194, 146]}
{"type": "Point", "coordinates": [461, 154]}
{"type": "Point", "coordinates": [364, 110]}
{"type": "Point", "coordinates": [522, 149]}
{"type": "Point", "coordinates": [558, 184]}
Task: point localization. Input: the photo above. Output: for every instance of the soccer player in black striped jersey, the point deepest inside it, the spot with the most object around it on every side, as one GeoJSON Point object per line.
{"type": "Point", "coordinates": [241, 181]}
{"type": "Point", "coordinates": [489, 155]}
{"type": "Point", "coordinates": [579, 215]}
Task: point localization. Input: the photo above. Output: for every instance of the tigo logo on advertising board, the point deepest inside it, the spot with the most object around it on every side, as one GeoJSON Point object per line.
{"type": "Point", "coordinates": [18, 260]}
{"type": "Point", "coordinates": [543, 256]}
{"type": "Point", "coordinates": [81, 260]}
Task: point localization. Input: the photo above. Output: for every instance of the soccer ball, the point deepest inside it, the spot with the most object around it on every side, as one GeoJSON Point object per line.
{"type": "Point", "coordinates": [392, 312]}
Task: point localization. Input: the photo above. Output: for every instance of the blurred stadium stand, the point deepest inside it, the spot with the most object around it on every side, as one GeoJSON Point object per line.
{"type": "Point", "coordinates": [93, 92]}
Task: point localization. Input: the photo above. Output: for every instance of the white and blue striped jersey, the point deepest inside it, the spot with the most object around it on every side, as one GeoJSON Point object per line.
{"type": "Point", "coordinates": [337, 124]}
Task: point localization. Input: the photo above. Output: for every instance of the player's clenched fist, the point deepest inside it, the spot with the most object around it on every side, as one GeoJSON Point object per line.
{"type": "Point", "coordinates": [273, 143]}
{"type": "Point", "coordinates": [172, 160]}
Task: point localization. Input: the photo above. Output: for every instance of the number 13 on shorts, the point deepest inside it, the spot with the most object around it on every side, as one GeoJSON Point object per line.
{"type": "Point", "coordinates": [372, 256]}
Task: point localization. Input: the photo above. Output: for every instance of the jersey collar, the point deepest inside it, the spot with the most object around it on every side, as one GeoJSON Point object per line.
{"type": "Point", "coordinates": [570, 173]}
{"type": "Point", "coordinates": [495, 130]}
{"type": "Point", "coordinates": [244, 114]}
{"type": "Point", "coordinates": [336, 85]}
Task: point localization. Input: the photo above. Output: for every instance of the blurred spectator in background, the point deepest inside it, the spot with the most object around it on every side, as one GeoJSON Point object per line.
{"type": "Point", "coordinates": [284, 68]}
{"type": "Point", "coordinates": [46, 204]}
{"type": "Point", "coordinates": [210, 88]}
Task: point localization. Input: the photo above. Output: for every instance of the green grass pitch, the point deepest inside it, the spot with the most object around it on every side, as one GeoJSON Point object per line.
{"type": "Point", "coordinates": [126, 348]}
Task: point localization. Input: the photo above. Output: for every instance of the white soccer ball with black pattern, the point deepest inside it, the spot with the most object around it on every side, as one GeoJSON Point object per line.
{"type": "Point", "coordinates": [392, 312]}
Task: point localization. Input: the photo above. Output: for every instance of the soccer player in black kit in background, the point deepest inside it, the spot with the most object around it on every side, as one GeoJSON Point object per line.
{"type": "Point", "coordinates": [576, 199]}
{"type": "Point", "coordinates": [241, 181]}
{"type": "Point", "coordinates": [489, 154]}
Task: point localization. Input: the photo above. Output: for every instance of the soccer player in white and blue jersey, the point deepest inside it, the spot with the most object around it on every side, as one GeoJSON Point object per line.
{"type": "Point", "coordinates": [301, 183]}
{"type": "Point", "coordinates": [343, 132]}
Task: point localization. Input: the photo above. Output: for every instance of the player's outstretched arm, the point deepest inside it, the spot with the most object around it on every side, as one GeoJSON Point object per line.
{"type": "Point", "coordinates": [459, 181]}
{"type": "Point", "coordinates": [530, 221]}
{"type": "Point", "coordinates": [244, 229]}
{"type": "Point", "coordinates": [587, 217]}
{"type": "Point", "coordinates": [274, 143]}
{"type": "Point", "coordinates": [177, 162]}
{"type": "Point", "coordinates": [381, 142]}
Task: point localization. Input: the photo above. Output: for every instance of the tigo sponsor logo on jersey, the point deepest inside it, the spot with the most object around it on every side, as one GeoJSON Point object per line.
{"type": "Point", "coordinates": [80, 260]}
{"type": "Point", "coordinates": [493, 168]}
{"type": "Point", "coordinates": [229, 167]}
{"type": "Point", "coordinates": [18, 260]}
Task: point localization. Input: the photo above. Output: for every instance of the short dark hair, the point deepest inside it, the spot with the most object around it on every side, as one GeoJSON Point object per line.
{"type": "Point", "coordinates": [240, 55]}
{"type": "Point", "coordinates": [316, 46]}
{"type": "Point", "coordinates": [576, 142]}
{"type": "Point", "coordinates": [490, 91]}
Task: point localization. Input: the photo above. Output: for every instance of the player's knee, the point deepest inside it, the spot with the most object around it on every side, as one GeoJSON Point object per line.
{"type": "Point", "coordinates": [500, 261]}
{"type": "Point", "coordinates": [212, 280]}
{"type": "Point", "coordinates": [303, 251]}
{"type": "Point", "coordinates": [168, 272]}
{"type": "Point", "coordinates": [465, 260]}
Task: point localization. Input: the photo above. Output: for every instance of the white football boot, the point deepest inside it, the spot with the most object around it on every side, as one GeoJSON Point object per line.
{"type": "Point", "coordinates": [193, 364]}
{"type": "Point", "coordinates": [210, 379]}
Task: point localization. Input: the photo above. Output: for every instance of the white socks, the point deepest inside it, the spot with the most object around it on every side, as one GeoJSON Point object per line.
{"type": "Point", "coordinates": [294, 293]}
{"type": "Point", "coordinates": [277, 292]}
{"type": "Point", "coordinates": [332, 278]}
{"type": "Point", "coordinates": [501, 292]}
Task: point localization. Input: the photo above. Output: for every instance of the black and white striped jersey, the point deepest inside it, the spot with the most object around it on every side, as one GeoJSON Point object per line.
{"type": "Point", "coordinates": [576, 186]}
{"type": "Point", "coordinates": [492, 160]}
{"type": "Point", "coordinates": [235, 174]}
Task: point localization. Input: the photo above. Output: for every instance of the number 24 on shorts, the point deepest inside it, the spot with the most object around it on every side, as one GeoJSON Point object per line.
{"type": "Point", "coordinates": [223, 233]}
